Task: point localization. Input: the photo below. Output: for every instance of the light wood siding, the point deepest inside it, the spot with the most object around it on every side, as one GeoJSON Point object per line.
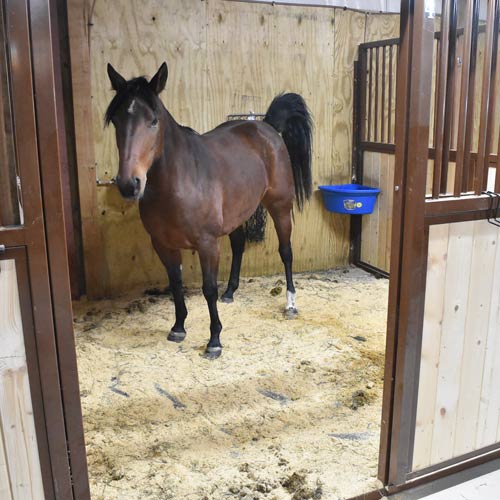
{"type": "Point", "coordinates": [458, 408]}
{"type": "Point", "coordinates": [20, 475]}
{"type": "Point", "coordinates": [224, 58]}
{"type": "Point", "coordinates": [378, 171]}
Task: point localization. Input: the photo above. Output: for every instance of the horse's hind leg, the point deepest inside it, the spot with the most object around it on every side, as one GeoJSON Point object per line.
{"type": "Point", "coordinates": [237, 238]}
{"type": "Point", "coordinates": [209, 260]}
{"type": "Point", "coordinates": [283, 224]}
{"type": "Point", "coordinates": [172, 260]}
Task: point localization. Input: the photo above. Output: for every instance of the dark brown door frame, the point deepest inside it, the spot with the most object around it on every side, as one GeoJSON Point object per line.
{"type": "Point", "coordinates": [34, 97]}
{"type": "Point", "coordinates": [408, 264]}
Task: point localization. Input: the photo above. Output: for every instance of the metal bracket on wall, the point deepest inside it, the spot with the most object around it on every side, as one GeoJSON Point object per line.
{"type": "Point", "coordinates": [493, 211]}
{"type": "Point", "coordinates": [246, 116]}
{"type": "Point", "coordinates": [110, 182]}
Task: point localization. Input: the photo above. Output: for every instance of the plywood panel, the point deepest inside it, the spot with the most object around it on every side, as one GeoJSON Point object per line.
{"type": "Point", "coordinates": [466, 406]}
{"type": "Point", "coordinates": [378, 171]}
{"type": "Point", "coordinates": [431, 339]}
{"type": "Point", "coordinates": [476, 327]}
{"type": "Point", "coordinates": [369, 222]}
{"type": "Point", "coordinates": [5, 490]}
{"type": "Point", "coordinates": [489, 404]}
{"type": "Point", "coordinates": [19, 461]}
{"type": "Point", "coordinates": [385, 217]}
{"type": "Point", "coordinates": [456, 285]}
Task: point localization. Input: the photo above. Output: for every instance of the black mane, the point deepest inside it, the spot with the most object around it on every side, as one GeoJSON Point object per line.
{"type": "Point", "coordinates": [137, 87]}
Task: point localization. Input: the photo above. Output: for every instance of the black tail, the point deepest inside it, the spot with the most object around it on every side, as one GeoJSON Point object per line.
{"type": "Point", "coordinates": [255, 227]}
{"type": "Point", "coordinates": [289, 115]}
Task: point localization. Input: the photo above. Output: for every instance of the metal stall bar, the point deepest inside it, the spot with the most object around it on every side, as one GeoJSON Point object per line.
{"type": "Point", "coordinates": [441, 100]}
{"type": "Point", "coordinates": [466, 110]}
{"type": "Point", "coordinates": [390, 138]}
{"type": "Point", "coordinates": [377, 78]}
{"type": "Point", "coordinates": [383, 106]}
{"type": "Point", "coordinates": [369, 123]}
{"type": "Point", "coordinates": [450, 90]}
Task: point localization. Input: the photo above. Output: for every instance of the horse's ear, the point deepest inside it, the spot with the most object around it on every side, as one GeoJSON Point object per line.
{"type": "Point", "coordinates": [158, 81]}
{"type": "Point", "coordinates": [117, 80]}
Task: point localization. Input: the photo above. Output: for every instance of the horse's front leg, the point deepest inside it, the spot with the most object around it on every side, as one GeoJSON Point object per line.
{"type": "Point", "coordinates": [209, 260]}
{"type": "Point", "coordinates": [172, 260]}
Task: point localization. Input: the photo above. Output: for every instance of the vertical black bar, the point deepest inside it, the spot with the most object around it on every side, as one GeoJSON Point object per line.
{"type": "Point", "coordinates": [450, 92]}
{"type": "Point", "coordinates": [469, 166]}
{"type": "Point", "coordinates": [384, 107]}
{"type": "Point", "coordinates": [468, 69]}
{"type": "Point", "coordinates": [377, 77]}
{"type": "Point", "coordinates": [369, 123]}
{"type": "Point", "coordinates": [390, 138]}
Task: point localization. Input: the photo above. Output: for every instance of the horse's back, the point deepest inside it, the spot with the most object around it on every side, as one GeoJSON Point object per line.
{"type": "Point", "coordinates": [244, 128]}
{"type": "Point", "coordinates": [250, 160]}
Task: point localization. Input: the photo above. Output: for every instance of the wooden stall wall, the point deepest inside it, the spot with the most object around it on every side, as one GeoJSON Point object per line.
{"type": "Point", "coordinates": [376, 231]}
{"type": "Point", "coordinates": [458, 408]}
{"type": "Point", "coordinates": [224, 58]}
{"type": "Point", "coordinates": [20, 472]}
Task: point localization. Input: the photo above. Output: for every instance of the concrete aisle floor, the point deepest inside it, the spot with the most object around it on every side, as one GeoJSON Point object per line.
{"type": "Point", "coordinates": [486, 487]}
{"type": "Point", "coordinates": [478, 483]}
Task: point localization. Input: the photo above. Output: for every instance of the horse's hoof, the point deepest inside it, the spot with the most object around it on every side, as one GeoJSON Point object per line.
{"type": "Point", "coordinates": [226, 300]}
{"type": "Point", "coordinates": [176, 336]}
{"type": "Point", "coordinates": [291, 313]}
{"type": "Point", "coordinates": [212, 352]}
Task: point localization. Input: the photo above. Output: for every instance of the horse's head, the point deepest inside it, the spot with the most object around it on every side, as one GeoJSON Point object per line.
{"type": "Point", "coordinates": [136, 113]}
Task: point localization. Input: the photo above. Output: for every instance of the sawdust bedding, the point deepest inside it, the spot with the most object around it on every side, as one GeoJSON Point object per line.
{"type": "Point", "coordinates": [290, 411]}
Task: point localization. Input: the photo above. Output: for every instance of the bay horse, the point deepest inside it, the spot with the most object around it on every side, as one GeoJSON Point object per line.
{"type": "Point", "coordinates": [194, 188]}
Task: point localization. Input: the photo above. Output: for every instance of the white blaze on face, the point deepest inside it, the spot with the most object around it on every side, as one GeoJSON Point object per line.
{"type": "Point", "coordinates": [290, 300]}
{"type": "Point", "coordinates": [131, 108]}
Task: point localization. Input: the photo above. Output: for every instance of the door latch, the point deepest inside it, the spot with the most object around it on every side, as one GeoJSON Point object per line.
{"type": "Point", "coordinates": [2, 248]}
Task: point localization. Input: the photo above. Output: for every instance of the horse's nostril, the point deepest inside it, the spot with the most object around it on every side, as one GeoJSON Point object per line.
{"type": "Point", "coordinates": [137, 182]}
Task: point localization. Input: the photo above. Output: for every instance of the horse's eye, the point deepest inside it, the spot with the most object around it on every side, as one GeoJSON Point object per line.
{"type": "Point", "coordinates": [154, 123]}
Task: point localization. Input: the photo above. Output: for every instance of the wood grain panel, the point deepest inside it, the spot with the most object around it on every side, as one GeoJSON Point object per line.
{"type": "Point", "coordinates": [19, 462]}
{"type": "Point", "coordinates": [431, 340]}
{"type": "Point", "coordinates": [369, 222]}
{"type": "Point", "coordinates": [466, 406]}
{"type": "Point", "coordinates": [456, 285]}
{"type": "Point", "coordinates": [5, 489]}
{"type": "Point", "coordinates": [476, 327]}
{"type": "Point", "coordinates": [376, 228]}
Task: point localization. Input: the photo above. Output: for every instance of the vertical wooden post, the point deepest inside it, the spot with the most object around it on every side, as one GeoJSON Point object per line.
{"type": "Point", "coordinates": [78, 29]}
{"type": "Point", "coordinates": [409, 244]}
{"type": "Point", "coordinates": [9, 208]}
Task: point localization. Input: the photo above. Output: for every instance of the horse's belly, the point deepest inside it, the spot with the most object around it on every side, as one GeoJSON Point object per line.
{"type": "Point", "coordinates": [169, 232]}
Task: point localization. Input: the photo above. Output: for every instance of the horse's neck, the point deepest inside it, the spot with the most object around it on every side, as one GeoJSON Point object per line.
{"type": "Point", "coordinates": [178, 149]}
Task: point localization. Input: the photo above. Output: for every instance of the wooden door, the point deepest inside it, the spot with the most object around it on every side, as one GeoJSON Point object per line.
{"type": "Point", "coordinates": [37, 355]}
{"type": "Point", "coordinates": [441, 401]}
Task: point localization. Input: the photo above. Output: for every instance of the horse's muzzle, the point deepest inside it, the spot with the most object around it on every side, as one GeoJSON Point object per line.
{"type": "Point", "coordinates": [130, 188]}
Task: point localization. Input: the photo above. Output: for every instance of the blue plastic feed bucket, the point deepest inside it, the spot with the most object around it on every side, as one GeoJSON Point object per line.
{"type": "Point", "coordinates": [350, 198]}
